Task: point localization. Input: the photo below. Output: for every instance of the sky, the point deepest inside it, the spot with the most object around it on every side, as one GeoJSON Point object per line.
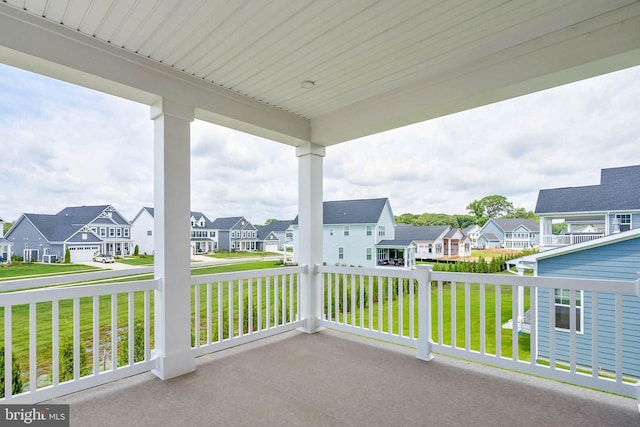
{"type": "Point", "coordinates": [64, 145]}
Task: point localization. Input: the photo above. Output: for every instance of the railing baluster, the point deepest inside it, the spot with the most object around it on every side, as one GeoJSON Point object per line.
{"type": "Point", "coordinates": [483, 331]}
{"type": "Point", "coordinates": [362, 300]}
{"type": "Point", "coordinates": [344, 299]}
{"type": "Point", "coordinates": [250, 305]}
{"type": "Point", "coordinates": [291, 295]}
{"type": "Point", "coordinates": [498, 322]}
{"type": "Point", "coordinates": [440, 314]}
{"type": "Point", "coordinates": [572, 330]}
{"type": "Point", "coordinates": [276, 318]}
{"type": "Point", "coordinates": [370, 297]}
{"type": "Point", "coordinates": [515, 322]}
{"type": "Point", "coordinates": [240, 308]}
{"type": "Point", "coordinates": [454, 312]}
{"type": "Point", "coordinates": [8, 352]}
{"type": "Point", "coordinates": [533, 324]}
{"type": "Point", "coordinates": [209, 313]}
{"type": "Point", "coordinates": [352, 279]}
{"type": "Point", "coordinates": [55, 340]}
{"type": "Point", "coordinates": [389, 305]}
{"type": "Point", "coordinates": [380, 303]}
{"type": "Point", "coordinates": [114, 331]}
{"type": "Point", "coordinates": [467, 316]}
{"type": "Point", "coordinates": [412, 285]}
{"type": "Point", "coordinates": [400, 307]}
{"type": "Point", "coordinates": [196, 316]}
{"type": "Point", "coordinates": [268, 308]}
{"type": "Point", "coordinates": [595, 358]}
{"type": "Point", "coordinates": [259, 303]}
{"type": "Point", "coordinates": [76, 338]}
{"type": "Point", "coordinates": [552, 328]}
{"type": "Point", "coordinates": [220, 312]}
{"type": "Point", "coordinates": [618, 338]}
{"type": "Point", "coordinates": [231, 309]}
{"type": "Point", "coordinates": [132, 321]}
{"type": "Point", "coordinates": [33, 364]}
{"type": "Point", "coordinates": [96, 335]}
{"type": "Point", "coordinates": [147, 325]}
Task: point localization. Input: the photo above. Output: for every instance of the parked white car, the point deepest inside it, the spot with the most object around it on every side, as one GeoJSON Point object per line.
{"type": "Point", "coordinates": [104, 258]}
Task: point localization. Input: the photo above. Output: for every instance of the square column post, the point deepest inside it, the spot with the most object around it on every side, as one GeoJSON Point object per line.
{"type": "Point", "coordinates": [425, 342]}
{"type": "Point", "coordinates": [172, 261]}
{"type": "Point", "coordinates": [310, 219]}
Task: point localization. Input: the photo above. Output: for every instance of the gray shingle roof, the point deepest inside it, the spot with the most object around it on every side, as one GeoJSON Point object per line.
{"type": "Point", "coordinates": [225, 223]}
{"type": "Point", "coordinates": [54, 228]}
{"type": "Point", "coordinates": [362, 211]}
{"type": "Point", "coordinates": [275, 226]}
{"type": "Point", "coordinates": [412, 232]}
{"type": "Point", "coordinates": [510, 224]}
{"type": "Point", "coordinates": [619, 189]}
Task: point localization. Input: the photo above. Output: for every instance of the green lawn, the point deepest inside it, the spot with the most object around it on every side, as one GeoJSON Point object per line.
{"type": "Point", "coordinates": [224, 255]}
{"type": "Point", "coordinates": [137, 260]}
{"type": "Point", "coordinates": [21, 270]}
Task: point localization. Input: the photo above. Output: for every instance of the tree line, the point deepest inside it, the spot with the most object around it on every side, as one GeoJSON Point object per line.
{"type": "Point", "coordinates": [478, 212]}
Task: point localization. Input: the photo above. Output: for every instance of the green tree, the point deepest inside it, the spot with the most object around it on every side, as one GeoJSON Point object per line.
{"type": "Point", "coordinates": [559, 228]}
{"type": "Point", "coordinates": [136, 250]}
{"type": "Point", "coordinates": [406, 218]}
{"type": "Point", "coordinates": [489, 207]}
{"type": "Point", "coordinates": [523, 213]}
{"type": "Point", "coordinates": [270, 220]}
{"type": "Point", "coordinates": [16, 380]}
{"type": "Point", "coordinates": [67, 256]}
{"type": "Point", "coordinates": [5, 227]}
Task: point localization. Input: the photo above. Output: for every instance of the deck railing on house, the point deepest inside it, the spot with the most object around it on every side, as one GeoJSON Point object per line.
{"type": "Point", "coordinates": [569, 239]}
{"type": "Point", "coordinates": [76, 337]}
{"type": "Point", "coordinates": [480, 317]}
{"type": "Point", "coordinates": [230, 309]}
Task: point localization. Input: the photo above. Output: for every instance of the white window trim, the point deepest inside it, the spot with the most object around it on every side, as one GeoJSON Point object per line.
{"type": "Point", "coordinates": [581, 307]}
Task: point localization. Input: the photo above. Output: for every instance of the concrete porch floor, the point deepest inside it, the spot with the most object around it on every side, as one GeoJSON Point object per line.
{"type": "Point", "coordinates": [335, 379]}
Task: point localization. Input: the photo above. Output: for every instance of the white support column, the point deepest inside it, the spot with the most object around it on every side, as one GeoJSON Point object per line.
{"type": "Point", "coordinates": [172, 303]}
{"type": "Point", "coordinates": [309, 248]}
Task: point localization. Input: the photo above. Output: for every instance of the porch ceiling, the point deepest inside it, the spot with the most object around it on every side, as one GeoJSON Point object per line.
{"type": "Point", "coordinates": [376, 65]}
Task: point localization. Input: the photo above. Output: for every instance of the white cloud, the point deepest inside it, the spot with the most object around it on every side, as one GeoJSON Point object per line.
{"type": "Point", "coordinates": [63, 145]}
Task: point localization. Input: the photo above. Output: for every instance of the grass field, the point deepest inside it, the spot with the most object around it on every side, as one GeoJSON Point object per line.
{"type": "Point", "coordinates": [21, 270]}
{"type": "Point", "coordinates": [242, 254]}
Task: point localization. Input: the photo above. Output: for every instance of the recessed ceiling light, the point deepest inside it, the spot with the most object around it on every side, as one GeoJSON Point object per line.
{"type": "Point", "coordinates": [307, 84]}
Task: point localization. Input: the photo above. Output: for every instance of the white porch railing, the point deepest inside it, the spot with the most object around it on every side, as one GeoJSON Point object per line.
{"type": "Point", "coordinates": [49, 327]}
{"type": "Point", "coordinates": [568, 239]}
{"type": "Point", "coordinates": [110, 325]}
{"type": "Point", "coordinates": [459, 319]}
{"type": "Point", "coordinates": [230, 309]}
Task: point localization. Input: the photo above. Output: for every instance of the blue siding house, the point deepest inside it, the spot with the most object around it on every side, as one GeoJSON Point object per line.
{"type": "Point", "coordinates": [615, 257]}
{"type": "Point", "coordinates": [236, 234]}
{"type": "Point", "coordinates": [83, 230]}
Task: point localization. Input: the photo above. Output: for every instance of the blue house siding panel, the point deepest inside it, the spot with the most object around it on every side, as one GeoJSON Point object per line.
{"type": "Point", "coordinates": [619, 261]}
{"type": "Point", "coordinates": [605, 333]}
{"type": "Point", "coordinates": [224, 242]}
{"type": "Point", "coordinates": [25, 233]}
{"type": "Point", "coordinates": [491, 227]}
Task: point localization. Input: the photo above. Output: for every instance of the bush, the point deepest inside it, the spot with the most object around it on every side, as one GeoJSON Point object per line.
{"type": "Point", "coordinates": [16, 380]}
{"type": "Point", "coordinates": [67, 256]}
{"type": "Point", "coordinates": [66, 359]}
{"type": "Point", "coordinates": [138, 345]}
{"type": "Point", "coordinates": [135, 250]}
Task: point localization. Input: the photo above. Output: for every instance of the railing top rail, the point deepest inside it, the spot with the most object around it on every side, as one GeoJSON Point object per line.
{"type": "Point", "coordinates": [242, 275]}
{"type": "Point", "coordinates": [12, 285]}
{"type": "Point", "coordinates": [368, 271]}
{"type": "Point", "coordinates": [592, 285]}
{"type": "Point", "coordinates": [81, 291]}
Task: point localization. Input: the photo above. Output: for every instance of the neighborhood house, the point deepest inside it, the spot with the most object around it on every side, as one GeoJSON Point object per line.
{"type": "Point", "coordinates": [82, 230]}
{"type": "Point", "coordinates": [591, 211]}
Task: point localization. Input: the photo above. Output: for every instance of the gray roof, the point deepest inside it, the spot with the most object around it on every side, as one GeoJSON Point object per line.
{"type": "Point", "coordinates": [490, 236]}
{"type": "Point", "coordinates": [226, 223]}
{"type": "Point", "coordinates": [412, 232]}
{"type": "Point", "coordinates": [54, 228]}
{"type": "Point", "coordinates": [208, 223]}
{"type": "Point", "coordinates": [362, 211]}
{"type": "Point", "coordinates": [275, 226]}
{"type": "Point", "coordinates": [510, 224]}
{"type": "Point", "coordinates": [619, 190]}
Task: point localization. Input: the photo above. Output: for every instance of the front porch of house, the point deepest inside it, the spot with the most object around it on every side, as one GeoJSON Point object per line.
{"type": "Point", "coordinates": [334, 378]}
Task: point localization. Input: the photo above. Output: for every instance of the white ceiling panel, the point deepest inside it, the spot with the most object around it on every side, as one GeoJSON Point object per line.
{"type": "Point", "coordinates": [361, 54]}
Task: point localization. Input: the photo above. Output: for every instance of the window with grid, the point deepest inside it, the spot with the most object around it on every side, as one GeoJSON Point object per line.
{"type": "Point", "coordinates": [563, 309]}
